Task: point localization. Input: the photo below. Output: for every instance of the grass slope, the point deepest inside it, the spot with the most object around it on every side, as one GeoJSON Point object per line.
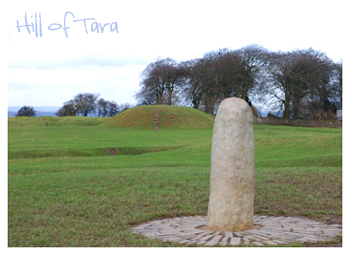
{"type": "Point", "coordinates": [92, 199]}
{"type": "Point", "coordinates": [55, 121]}
{"type": "Point", "coordinates": [170, 117]}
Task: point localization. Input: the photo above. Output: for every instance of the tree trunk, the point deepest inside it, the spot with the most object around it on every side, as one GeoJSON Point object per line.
{"type": "Point", "coordinates": [195, 104]}
{"type": "Point", "coordinates": [170, 96]}
{"type": "Point", "coordinates": [287, 110]}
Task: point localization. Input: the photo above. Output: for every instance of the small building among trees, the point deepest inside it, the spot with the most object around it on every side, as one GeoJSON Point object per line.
{"type": "Point", "coordinates": [339, 110]}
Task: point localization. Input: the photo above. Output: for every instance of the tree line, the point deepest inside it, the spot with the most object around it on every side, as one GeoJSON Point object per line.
{"type": "Point", "coordinates": [300, 83]}
{"type": "Point", "coordinates": [88, 103]}
{"type": "Point", "coordinates": [82, 104]}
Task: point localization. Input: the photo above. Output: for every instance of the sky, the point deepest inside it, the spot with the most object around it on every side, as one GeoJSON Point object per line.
{"type": "Point", "coordinates": [49, 67]}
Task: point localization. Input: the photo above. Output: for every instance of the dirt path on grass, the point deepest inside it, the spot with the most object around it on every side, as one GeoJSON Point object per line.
{"type": "Point", "coordinates": [112, 152]}
{"type": "Point", "coordinates": [156, 120]}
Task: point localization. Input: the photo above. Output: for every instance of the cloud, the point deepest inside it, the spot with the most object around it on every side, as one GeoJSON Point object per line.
{"type": "Point", "coordinates": [53, 87]}
{"type": "Point", "coordinates": [92, 60]}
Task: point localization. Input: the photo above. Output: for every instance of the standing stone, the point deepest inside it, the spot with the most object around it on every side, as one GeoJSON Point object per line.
{"type": "Point", "coordinates": [232, 174]}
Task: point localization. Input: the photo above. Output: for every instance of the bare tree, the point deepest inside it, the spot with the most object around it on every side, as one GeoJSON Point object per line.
{"type": "Point", "coordinates": [68, 109]}
{"type": "Point", "coordinates": [159, 82]}
{"type": "Point", "coordinates": [82, 103]}
{"type": "Point", "coordinates": [112, 108]}
{"type": "Point", "coordinates": [231, 74]}
{"type": "Point", "coordinates": [102, 107]}
{"type": "Point", "coordinates": [124, 107]}
{"type": "Point", "coordinates": [252, 59]}
{"type": "Point", "coordinates": [292, 82]}
{"type": "Point", "coordinates": [149, 95]}
{"type": "Point", "coordinates": [338, 82]}
{"type": "Point", "coordinates": [280, 83]}
{"type": "Point", "coordinates": [85, 103]}
{"type": "Point", "coordinates": [212, 82]}
{"type": "Point", "coordinates": [60, 112]}
{"type": "Point", "coordinates": [194, 81]}
{"type": "Point", "coordinates": [298, 78]}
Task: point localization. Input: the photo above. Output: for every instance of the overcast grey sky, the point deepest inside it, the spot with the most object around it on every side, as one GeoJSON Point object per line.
{"type": "Point", "coordinates": [51, 69]}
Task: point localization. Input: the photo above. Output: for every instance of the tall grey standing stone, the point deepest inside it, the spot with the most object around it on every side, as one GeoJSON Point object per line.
{"type": "Point", "coordinates": [232, 174]}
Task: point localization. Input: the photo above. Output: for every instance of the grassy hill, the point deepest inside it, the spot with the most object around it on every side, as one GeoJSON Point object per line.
{"type": "Point", "coordinates": [66, 190]}
{"type": "Point", "coordinates": [170, 117]}
{"type": "Point", "coordinates": [141, 117]}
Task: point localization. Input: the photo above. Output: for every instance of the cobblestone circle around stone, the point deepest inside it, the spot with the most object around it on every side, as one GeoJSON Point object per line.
{"type": "Point", "coordinates": [267, 231]}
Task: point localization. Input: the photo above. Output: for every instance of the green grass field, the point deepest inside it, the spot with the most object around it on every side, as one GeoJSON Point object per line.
{"type": "Point", "coordinates": [64, 189]}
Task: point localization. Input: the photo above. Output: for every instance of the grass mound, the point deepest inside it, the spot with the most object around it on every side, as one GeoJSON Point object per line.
{"type": "Point", "coordinates": [170, 117]}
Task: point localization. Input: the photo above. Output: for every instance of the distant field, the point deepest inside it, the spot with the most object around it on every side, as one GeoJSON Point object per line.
{"type": "Point", "coordinates": [64, 189]}
{"type": "Point", "coordinates": [56, 121]}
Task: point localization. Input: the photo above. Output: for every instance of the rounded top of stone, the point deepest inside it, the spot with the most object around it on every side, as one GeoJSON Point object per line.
{"type": "Point", "coordinates": [234, 103]}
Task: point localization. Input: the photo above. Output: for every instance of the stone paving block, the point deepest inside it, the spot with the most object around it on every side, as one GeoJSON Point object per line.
{"type": "Point", "coordinates": [175, 239]}
{"type": "Point", "coordinates": [206, 238]}
{"type": "Point", "coordinates": [268, 233]}
{"type": "Point", "coordinates": [224, 241]}
{"type": "Point", "coordinates": [270, 243]}
{"type": "Point", "coordinates": [235, 241]}
{"type": "Point", "coordinates": [256, 232]}
{"type": "Point", "coordinates": [201, 242]}
{"type": "Point", "coordinates": [237, 234]}
{"type": "Point", "coordinates": [331, 231]}
{"type": "Point", "coordinates": [279, 241]}
{"type": "Point", "coordinates": [215, 240]}
{"type": "Point", "coordinates": [277, 230]}
{"type": "Point", "coordinates": [198, 237]}
{"type": "Point", "coordinates": [308, 239]}
{"type": "Point", "coordinates": [274, 226]}
{"type": "Point", "coordinates": [246, 240]}
{"type": "Point", "coordinates": [181, 234]}
{"type": "Point", "coordinates": [287, 237]}
{"type": "Point", "coordinates": [187, 236]}
{"type": "Point", "coordinates": [193, 241]}
{"type": "Point", "coordinates": [261, 238]}
{"type": "Point", "coordinates": [187, 226]}
{"type": "Point", "coordinates": [229, 234]}
{"type": "Point", "coordinates": [275, 236]}
{"type": "Point", "coordinates": [166, 232]}
{"type": "Point", "coordinates": [335, 225]}
{"type": "Point", "coordinates": [151, 229]}
{"type": "Point", "coordinates": [258, 243]}
{"type": "Point", "coordinates": [296, 234]}
{"type": "Point", "coordinates": [150, 232]}
{"type": "Point", "coordinates": [194, 231]}
{"type": "Point", "coordinates": [166, 238]}
{"type": "Point", "coordinates": [193, 237]}
{"type": "Point", "coordinates": [208, 232]}
{"type": "Point", "coordinates": [184, 241]}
